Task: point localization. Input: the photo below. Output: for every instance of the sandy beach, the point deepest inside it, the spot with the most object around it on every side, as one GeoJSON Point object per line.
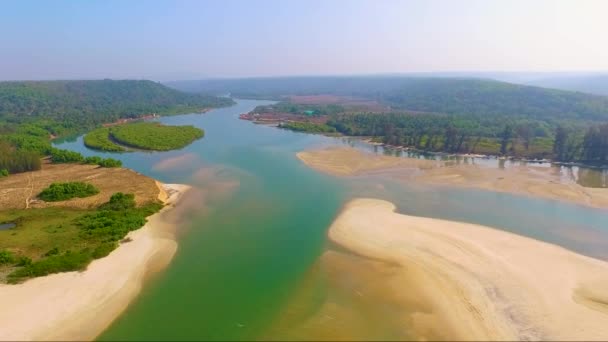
{"type": "Point", "coordinates": [479, 283]}
{"type": "Point", "coordinates": [543, 182]}
{"type": "Point", "coordinates": [80, 305]}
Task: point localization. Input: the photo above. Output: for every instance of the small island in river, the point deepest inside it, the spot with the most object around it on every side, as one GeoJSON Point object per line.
{"type": "Point", "coordinates": [142, 135]}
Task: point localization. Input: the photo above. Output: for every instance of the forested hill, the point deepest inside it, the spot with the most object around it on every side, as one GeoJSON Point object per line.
{"type": "Point", "coordinates": [87, 103]}
{"type": "Point", "coordinates": [439, 95]}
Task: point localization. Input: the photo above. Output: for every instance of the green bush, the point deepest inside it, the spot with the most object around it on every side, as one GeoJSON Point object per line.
{"type": "Point", "coordinates": [53, 251]}
{"type": "Point", "coordinates": [3, 173]}
{"type": "Point", "coordinates": [64, 156]}
{"type": "Point", "coordinates": [110, 162]}
{"type": "Point", "coordinates": [64, 191]}
{"type": "Point", "coordinates": [94, 160]}
{"type": "Point", "coordinates": [6, 257]}
{"type": "Point", "coordinates": [23, 261]}
{"type": "Point", "coordinates": [119, 201]}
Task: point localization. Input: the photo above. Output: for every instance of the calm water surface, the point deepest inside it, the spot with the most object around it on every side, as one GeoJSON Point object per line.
{"type": "Point", "coordinates": [255, 227]}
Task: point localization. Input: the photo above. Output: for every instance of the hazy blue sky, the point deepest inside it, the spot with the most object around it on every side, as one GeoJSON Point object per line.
{"type": "Point", "coordinates": [174, 39]}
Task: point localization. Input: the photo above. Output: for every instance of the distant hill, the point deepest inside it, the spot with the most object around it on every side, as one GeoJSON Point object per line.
{"type": "Point", "coordinates": [595, 84]}
{"type": "Point", "coordinates": [91, 102]}
{"type": "Point", "coordinates": [441, 95]}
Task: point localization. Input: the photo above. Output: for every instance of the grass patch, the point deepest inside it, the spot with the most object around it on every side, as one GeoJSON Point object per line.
{"type": "Point", "coordinates": [65, 191]}
{"type": "Point", "coordinates": [52, 240]}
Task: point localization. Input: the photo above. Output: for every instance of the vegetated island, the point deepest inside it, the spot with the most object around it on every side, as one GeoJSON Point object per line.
{"type": "Point", "coordinates": [524, 180]}
{"type": "Point", "coordinates": [476, 282]}
{"type": "Point", "coordinates": [96, 231]}
{"type": "Point", "coordinates": [142, 135]}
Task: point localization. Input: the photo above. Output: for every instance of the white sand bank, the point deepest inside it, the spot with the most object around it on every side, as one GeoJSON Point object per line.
{"type": "Point", "coordinates": [481, 283]}
{"type": "Point", "coordinates": [531, 181]}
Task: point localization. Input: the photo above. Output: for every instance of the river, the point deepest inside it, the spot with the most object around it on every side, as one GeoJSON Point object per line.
{"type": "Point", "coordinates": [249, 262]}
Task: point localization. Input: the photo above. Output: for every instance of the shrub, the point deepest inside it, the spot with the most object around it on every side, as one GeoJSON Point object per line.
{"type": "Point", "coordinates": [3, 173]}
{"type": "Point", "coordinates": [110, 162]}
{"type": "Point", "coordinates": [64, 191]}
{"type": "Point", "coordinates": [23, 261]}
{"type": "Point", "coordinates": [95, 160]}
{"type": "Point", "coordinates": [119, 201]}
{"type": "Point", "coordinates": [6, 257]}
{"type": "Point", "coordinates": [64, 156]}
{"type": "Point", "coordinates": [53, 251]}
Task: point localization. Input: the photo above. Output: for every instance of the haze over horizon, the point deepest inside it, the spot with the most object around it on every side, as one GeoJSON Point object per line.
{"type": "Point", "coordinates": [171, 40]}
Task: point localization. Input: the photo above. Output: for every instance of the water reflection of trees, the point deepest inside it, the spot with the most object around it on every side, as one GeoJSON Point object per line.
{"type": "Point", "coordinates": [592, 177]}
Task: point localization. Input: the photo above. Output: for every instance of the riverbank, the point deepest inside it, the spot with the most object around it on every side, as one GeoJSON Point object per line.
{"type": "Point", "coordinates": [526, 180]}
{"type": "Point", "coordinates": [480, 283]}
{"type": "Point", "coordinates": [80, 305]}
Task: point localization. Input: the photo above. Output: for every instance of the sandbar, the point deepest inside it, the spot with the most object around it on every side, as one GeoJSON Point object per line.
{"type": "Point", "coordinates": [534, 181]}
{"type": "Point", "coordinates": [481, 283]}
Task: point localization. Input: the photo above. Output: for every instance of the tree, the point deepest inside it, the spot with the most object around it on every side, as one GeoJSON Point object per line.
{"type": "Point", "coordinates": [524, 131]}
{"type": "Point", "coordinates": [505, 138]}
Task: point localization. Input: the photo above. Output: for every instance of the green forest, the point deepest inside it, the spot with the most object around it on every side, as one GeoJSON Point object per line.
{"type": "Point", "coordinates": [31, 113]}
{"type": "Point", "coordinates": [142, 135]}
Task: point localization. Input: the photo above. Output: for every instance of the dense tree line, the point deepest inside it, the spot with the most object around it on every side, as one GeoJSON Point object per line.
{"type": "Point", "coordinates": [307, 127]}
{"type": "Point", "coordinates": [590, 147]}
{"type": "Point", "coordinates": [471, 134]}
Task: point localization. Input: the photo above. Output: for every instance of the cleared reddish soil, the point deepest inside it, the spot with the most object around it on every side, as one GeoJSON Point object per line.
{"type": "Point", "coordinates": [20, 191]}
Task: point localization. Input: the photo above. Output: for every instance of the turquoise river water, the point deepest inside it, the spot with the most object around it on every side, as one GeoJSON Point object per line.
{"type": "Point", "coordinates": [253, 232]}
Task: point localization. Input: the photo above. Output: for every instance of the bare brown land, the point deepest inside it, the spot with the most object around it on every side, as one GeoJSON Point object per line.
{"type": "Point", "coordinates": [533, 181]}
{"type": "Point", "coordinates": [19, 191]}
{"type": "Point", "coordinates": [478, 283]}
